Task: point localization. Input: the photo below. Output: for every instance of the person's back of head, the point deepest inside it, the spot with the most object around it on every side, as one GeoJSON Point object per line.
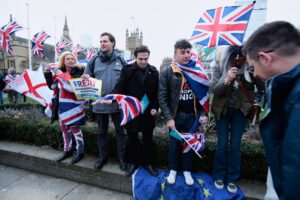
{"type": "Point", "coordinates": [279, 36]}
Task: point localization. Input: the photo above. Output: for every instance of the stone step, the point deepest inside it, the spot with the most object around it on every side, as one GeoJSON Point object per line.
{"type": "Point", "coordinates": [41, 160]}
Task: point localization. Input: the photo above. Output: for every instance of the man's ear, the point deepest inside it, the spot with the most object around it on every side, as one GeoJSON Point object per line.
{"type": "Point", "coordinates": [265, 58]}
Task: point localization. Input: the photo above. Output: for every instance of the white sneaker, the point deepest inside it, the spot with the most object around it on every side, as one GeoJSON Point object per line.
{"type": "Point", "coordinates": [188, 178]}
{"type": "Point", "coordinates": [172, 177]}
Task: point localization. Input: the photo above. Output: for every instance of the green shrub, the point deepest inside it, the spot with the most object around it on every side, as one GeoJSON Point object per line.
{"type": "Point", "coordinates": [41, 132]}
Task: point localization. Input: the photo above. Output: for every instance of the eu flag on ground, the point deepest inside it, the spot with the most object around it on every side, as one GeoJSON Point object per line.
{"type": "Point", "coordinates": [147, 187]}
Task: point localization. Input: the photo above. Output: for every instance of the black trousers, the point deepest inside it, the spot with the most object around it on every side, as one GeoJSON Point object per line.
{"type": "Point", "coordinates": [103, 122]}
{"type": "Point", "coordinates": [133, 150]}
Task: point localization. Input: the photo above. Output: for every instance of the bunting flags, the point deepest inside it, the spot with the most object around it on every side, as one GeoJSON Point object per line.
{"type": "Point", "coordinates": [222, 26]}
{"type": "Point", "coordinates": [38, 43]}
{"type": "Point", "coordinates": [7, 31]}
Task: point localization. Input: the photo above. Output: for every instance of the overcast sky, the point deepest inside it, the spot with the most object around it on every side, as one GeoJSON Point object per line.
{"type": "Point", "coordinates": [161, 21]}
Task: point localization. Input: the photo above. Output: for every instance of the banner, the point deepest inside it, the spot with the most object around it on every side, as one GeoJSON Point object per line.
{"type": "Point", "coordinates": [86, 89]}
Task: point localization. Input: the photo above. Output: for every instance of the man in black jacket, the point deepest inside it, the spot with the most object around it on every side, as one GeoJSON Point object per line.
{"type": "Point", "coordinates": [179, 107]}
{"type": "Point", "coordinates": [138, 80]}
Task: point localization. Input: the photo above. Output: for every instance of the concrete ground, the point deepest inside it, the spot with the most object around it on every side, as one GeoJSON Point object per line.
{"type": "Point", "coordinates": [18, 184]}
{"type": "Point", "coordinates": [70, 179]}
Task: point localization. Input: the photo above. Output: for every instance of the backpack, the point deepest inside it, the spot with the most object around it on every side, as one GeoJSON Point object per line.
{"type": "Point", "coordinates": [93, 60]}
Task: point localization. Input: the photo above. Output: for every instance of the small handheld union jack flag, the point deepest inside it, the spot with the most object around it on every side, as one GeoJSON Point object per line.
{"type": "Point", "coordinates": [61, 45]}
{"type": "Point", "coordinates": [38, 43]}
{"type": "Point", "coordinates": [5, 32]}
{"type": "Point", "coordinates": [77, 49]}
{"type": "Point", "coordinates": [90, 53]}
{"type": "Point", "coordinates": [222, 26]}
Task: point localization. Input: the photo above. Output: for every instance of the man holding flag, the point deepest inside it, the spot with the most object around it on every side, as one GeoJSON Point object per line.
{"type": "Point", "coordinates": [182, 88]}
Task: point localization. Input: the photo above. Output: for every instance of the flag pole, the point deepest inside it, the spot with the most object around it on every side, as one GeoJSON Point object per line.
{"type": "Point", "coordinates": [29, 42]}
{"type": "Point", "coordinates": [55, 55]}
{"type": "Point", "coordinates": [189, 144]}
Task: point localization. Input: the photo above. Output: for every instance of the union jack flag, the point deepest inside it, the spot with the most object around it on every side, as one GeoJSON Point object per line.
{"type": "Point", "coordinates": [130, 107]}
{"type": "Point", "coordinates": [5, 32]}
{"type": "Point", "coordinates": [61, 45]}
{"type": "Point", "coordinates": [38, 43]}
{"type": "Point", "coordinates": [9, 78]}
{"type": "Point", "coordinates": [222, 26]}
{"type": "Point", "coordinates": [90, 53]}
{"type": "Point", "coordinates": [197, 79]}
{"type": "Point", "coordinates": [77, 49]}
{"type": "Point", "coordinates": [195, 141]}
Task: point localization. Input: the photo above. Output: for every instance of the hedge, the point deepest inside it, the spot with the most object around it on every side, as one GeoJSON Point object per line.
{"type": "Point", "coordinates": [40, 132]}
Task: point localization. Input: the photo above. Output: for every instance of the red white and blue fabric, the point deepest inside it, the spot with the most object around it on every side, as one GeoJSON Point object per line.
{"type": "Point", "coordinates": [53, 67]}
{"type": "Point", "coordinates": [90, 53]}
{"type": "Point", "coordinates": [130, 107]}
{"type": "Point", "coordinates": [38, 43]}
{"type": "Point", "coordinates": [61, 45]}
{"type": "Point", "coordinates": [71, 111]}
{"type": "Point", "coordinates": [222, 26]}
{"type": "Point", "coordinates": [9, 78]}
{"type": "Point", "coordinates": [5, 32]}
{"type": "Point", "coordinates": [193, 140]}
{"type": "Point", "coordinates": [77, 49]}
{"type": "Point", "coordinates": [197, 79]}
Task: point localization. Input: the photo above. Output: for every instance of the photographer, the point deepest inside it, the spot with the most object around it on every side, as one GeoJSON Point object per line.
{"type": "Point", "coordinates": [233, 90]}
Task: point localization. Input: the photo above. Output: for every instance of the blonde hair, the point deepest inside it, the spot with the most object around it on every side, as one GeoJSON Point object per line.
{"type": "Point", "coordinates": [61, 59]}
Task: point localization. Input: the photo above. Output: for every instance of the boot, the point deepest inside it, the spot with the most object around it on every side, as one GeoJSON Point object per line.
{"type": "Point", "coordinates": [77, 158]}
{"type": "Point", "coordinates": [64, 155]}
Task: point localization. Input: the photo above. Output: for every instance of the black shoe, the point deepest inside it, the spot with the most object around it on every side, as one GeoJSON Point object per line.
{"type": "Point", "coordinates": [122, 165]}
{"type": "Point", "coordinates": [64, 155]}
{"type": "Point", "coordinates": [151, 170]}
{"type": "Point", "coordinates": [100, 163]}
{"type": "Point", "coordinates": [130, 170]}
{"type": "Point", "coordinates": [77, 158]}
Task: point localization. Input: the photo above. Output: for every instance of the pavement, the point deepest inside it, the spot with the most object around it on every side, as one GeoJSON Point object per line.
{"type": "Point", "coordinates": [19, 184]}
{"type": "Point", "coordinates": [67, 181]}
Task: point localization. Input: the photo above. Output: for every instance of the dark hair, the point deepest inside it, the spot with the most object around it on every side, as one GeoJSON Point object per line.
{"type": "Point", "coordinates": [111, 38]}
{"type": "Point", "coordinates": [141, 49]}
{"type": "Point", "coordinates": [279, 36]}
{"type": "Point", "coordinates": [182, 44]}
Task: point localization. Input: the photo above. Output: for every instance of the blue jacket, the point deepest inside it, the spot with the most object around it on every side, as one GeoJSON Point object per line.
{"type": "Point", "coordinates": [280, 130]}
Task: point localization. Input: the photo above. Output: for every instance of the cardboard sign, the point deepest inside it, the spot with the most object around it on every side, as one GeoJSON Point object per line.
{"type": "Point", "coordinates": [86, 89]}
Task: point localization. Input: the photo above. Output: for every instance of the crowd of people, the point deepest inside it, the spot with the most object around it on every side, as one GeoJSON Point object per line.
{"type": "Point", "coordinates": [270, 56]}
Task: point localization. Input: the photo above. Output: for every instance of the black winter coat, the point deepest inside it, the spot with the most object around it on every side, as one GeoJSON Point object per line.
{"type": "Point", "coordinates": [132, 83]}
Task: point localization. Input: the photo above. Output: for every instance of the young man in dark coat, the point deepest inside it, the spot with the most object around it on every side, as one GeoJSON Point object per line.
{"type": "Point", "coordinates": [137, 80]}
{"type": "Point", "coordinates": [273, 52]}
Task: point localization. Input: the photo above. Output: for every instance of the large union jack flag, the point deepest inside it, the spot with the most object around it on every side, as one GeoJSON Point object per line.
{"type": "Point", "coordinates": [222, 26]}
{"type": "Point", "coordinates": [90, 53]}
{"type": "Point", "coordinates": [77, 49]}
{"type": "Point", "coordinates": [5, 32]}
{"type": "Point", "coordinates": [38, 43]}
{"type": "Point", "coordinates": [61, 45]}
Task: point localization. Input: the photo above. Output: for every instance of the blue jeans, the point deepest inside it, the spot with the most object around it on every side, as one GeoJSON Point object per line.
{"type": "Point", "coordinates": [230, 128]}
{"type": "Point", "coordinates": [1, 97]}
{"type": "Point", "coordinates": [183, 123]}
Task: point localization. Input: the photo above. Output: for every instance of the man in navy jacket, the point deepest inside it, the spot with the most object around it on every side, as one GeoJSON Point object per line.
{"type": "Point", "coordinates": [273, 52]}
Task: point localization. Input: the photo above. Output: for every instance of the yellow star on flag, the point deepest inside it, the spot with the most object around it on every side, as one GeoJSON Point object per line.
{"type": "Point", "coordinates": [206, 192]}
{"type": "Point", "coordinates": [163, 186]}
{"type": "Point", "coordinates": [200, 181]}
